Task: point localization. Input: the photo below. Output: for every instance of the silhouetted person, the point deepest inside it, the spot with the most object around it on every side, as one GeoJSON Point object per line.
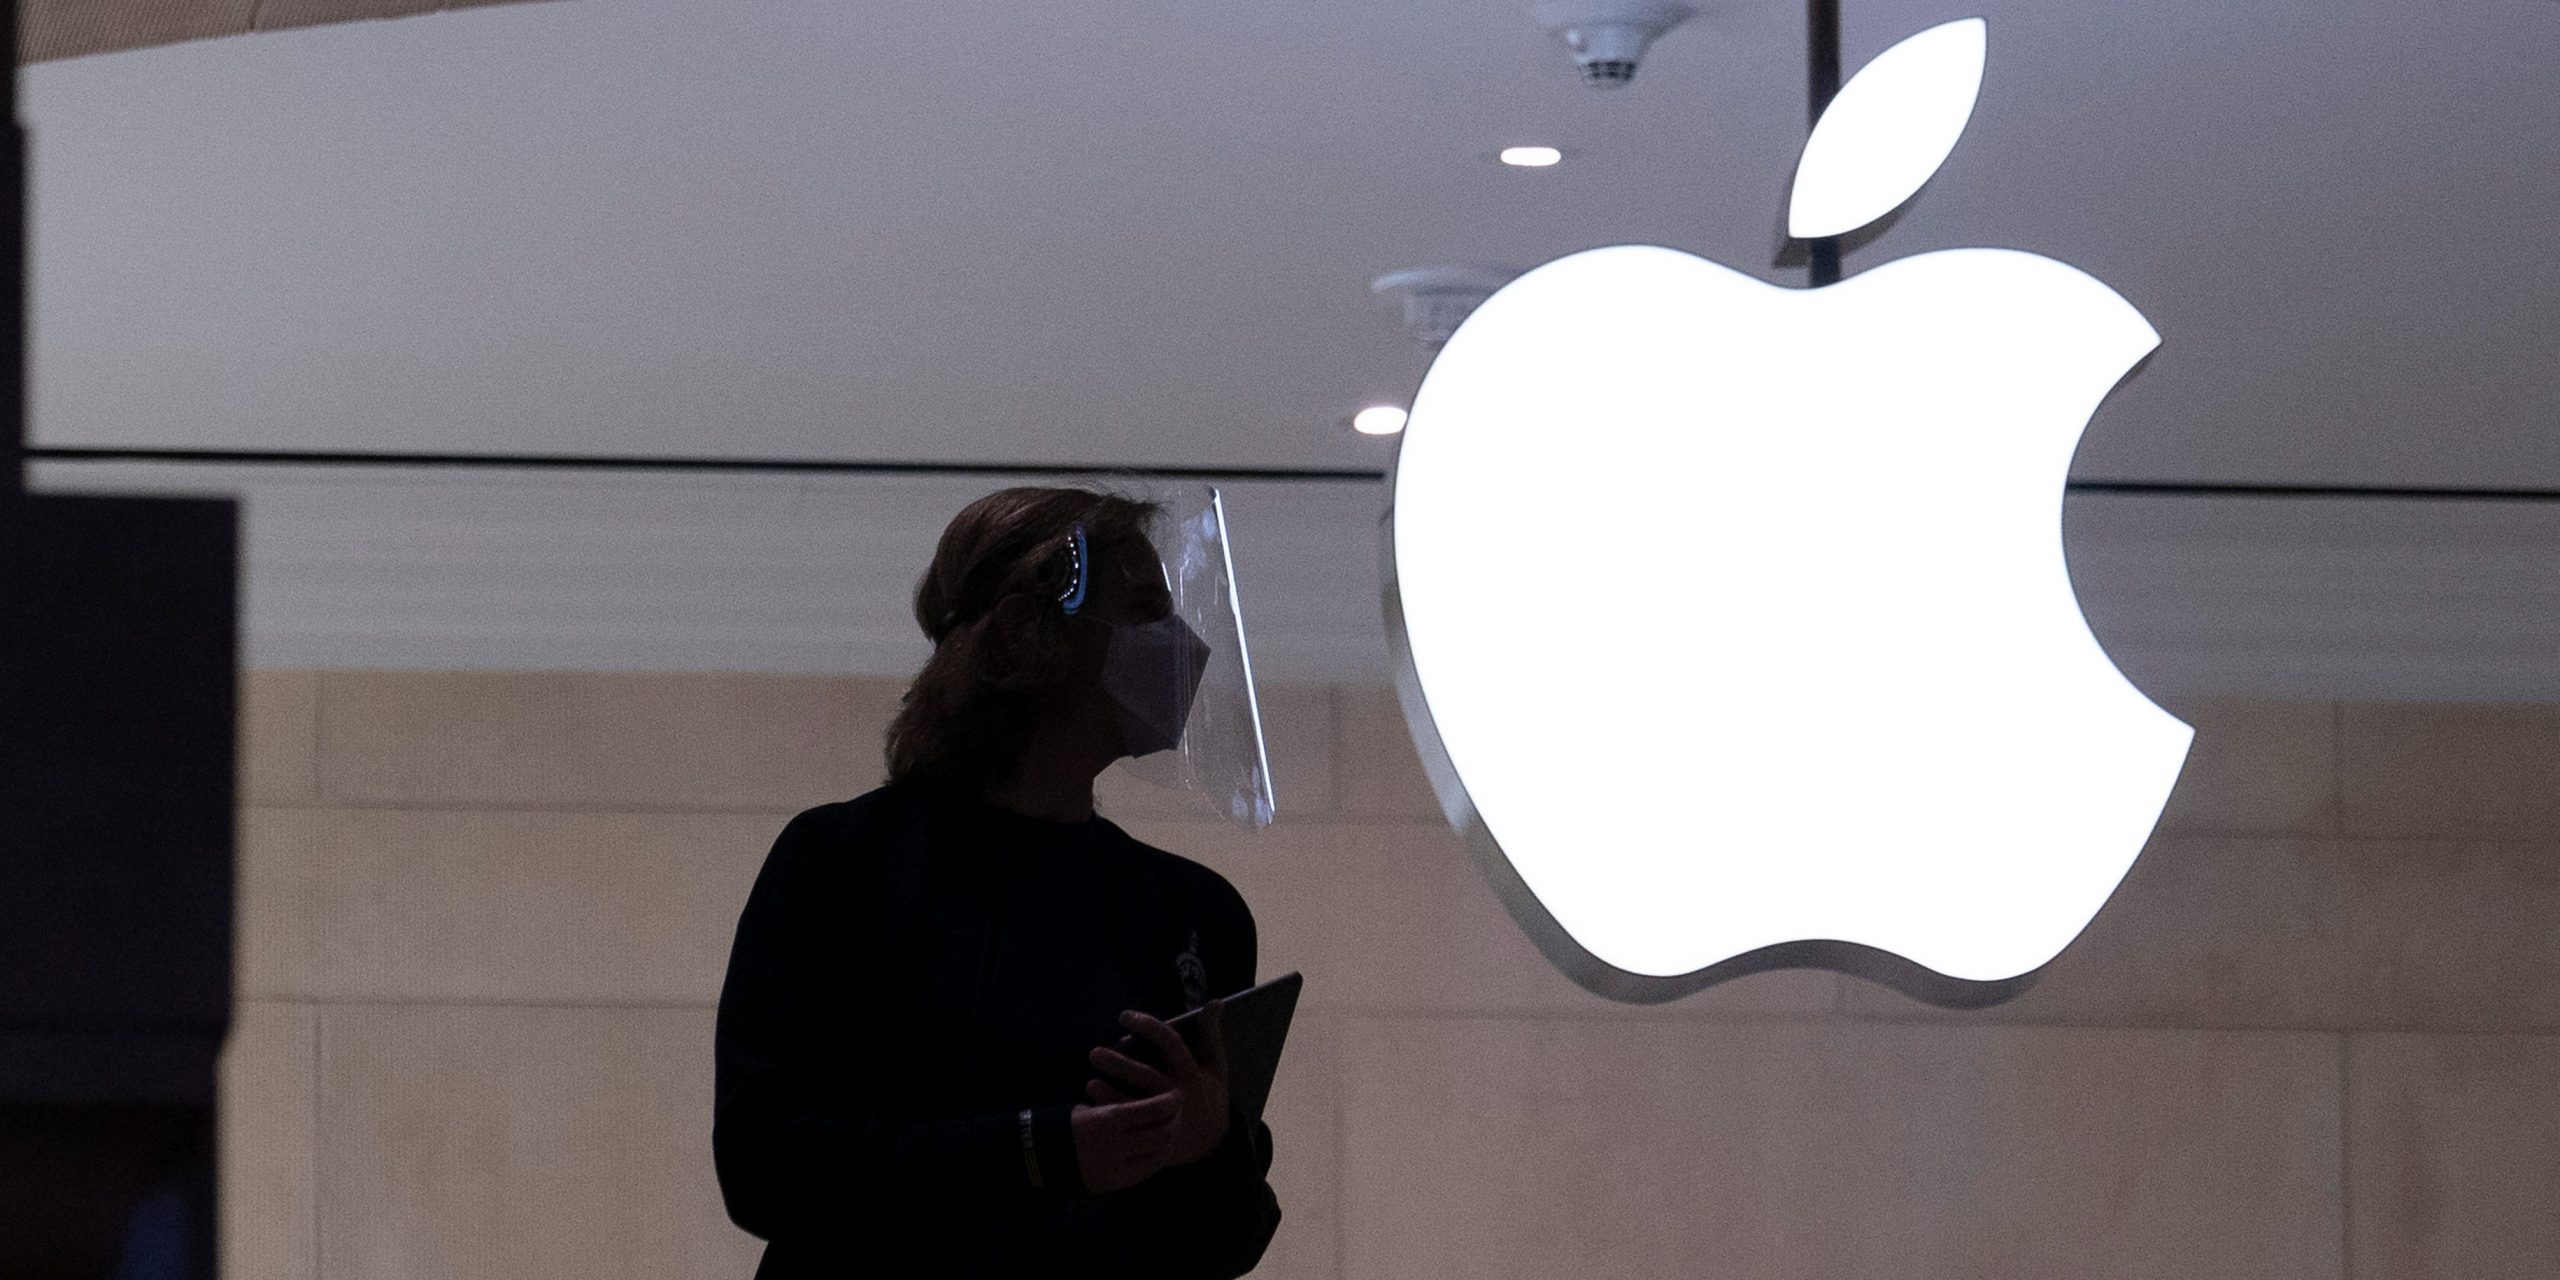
{"type": "Point", "coordinates": [917, 1062]}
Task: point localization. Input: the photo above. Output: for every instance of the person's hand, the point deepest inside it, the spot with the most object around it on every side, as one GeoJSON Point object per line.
{"type": "Point", "coordinates": [1198, 1081]}
{"type": "Point", "coordinates": [1118, 1144]}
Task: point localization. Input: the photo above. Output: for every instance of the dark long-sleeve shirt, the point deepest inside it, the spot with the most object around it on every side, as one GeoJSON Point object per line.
{"type": "Point", "coordinates": [910, 973]}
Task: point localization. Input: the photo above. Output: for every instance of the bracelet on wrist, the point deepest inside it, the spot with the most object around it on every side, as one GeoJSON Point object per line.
{"type": "Point", "coordinates": [1030, 1151]}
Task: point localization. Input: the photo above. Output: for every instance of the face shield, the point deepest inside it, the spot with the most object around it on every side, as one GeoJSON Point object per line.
{"type": "Point", "coordinates": [1181, 685]}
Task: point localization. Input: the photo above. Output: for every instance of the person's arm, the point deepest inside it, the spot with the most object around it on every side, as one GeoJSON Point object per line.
{"type": "Point", "coordinates": [1215, 1216]}
{"type": "Point", "coordinates": [795, 1154]}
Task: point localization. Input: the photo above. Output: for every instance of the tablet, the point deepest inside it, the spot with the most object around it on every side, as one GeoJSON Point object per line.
{"type": "Point", "coordinates": [1255, 1022]}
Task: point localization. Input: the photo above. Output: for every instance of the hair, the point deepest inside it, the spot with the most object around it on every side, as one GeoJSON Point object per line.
{"type": "Point", "coordinates": [1002, 642]}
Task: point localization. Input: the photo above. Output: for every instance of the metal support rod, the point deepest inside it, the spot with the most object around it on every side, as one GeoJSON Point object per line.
{"type": "Point", "coordinates": [1821, 82]}
{"type": "Point", "coordinates": [663, 462]}
{"type": "Point", "coordinates": [1344, 475]}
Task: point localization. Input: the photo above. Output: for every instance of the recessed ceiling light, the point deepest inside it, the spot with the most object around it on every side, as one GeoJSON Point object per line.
{"type": "Point", "coordinates": [1378, 420]}
{"type": "Point", "coordinates": [1530, 157]}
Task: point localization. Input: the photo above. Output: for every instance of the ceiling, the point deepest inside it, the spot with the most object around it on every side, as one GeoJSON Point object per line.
{"type": "Point", "coordinates": [1140, 233]}
{"type": "Point", "coordinates": [49, 29]}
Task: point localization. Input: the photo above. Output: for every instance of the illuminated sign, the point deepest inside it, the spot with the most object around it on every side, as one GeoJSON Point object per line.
{"type": "Point", "coordinates": [1733, 621]}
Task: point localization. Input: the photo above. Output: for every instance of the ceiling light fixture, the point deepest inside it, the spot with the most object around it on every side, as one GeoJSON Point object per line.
{"type": "Point", "coordinates": [1438, 299]}
{"type": "Point", "coordinates": [1378, 420]}
{"type": "Point", "coordinates": [1530, 157]}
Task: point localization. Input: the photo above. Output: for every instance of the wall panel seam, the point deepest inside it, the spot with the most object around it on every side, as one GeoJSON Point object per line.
{"type": "Point", "coordinates": [311, 1153]}
{"type": "Point", "coordinates": [2346, 1158]}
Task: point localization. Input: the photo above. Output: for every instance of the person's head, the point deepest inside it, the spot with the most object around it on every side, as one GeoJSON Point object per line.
{"type": "Point", "coordinates": [1008, 657]}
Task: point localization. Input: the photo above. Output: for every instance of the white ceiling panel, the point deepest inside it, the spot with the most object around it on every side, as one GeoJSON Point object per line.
{"type": "Point", "coordinates": [1140, 232]}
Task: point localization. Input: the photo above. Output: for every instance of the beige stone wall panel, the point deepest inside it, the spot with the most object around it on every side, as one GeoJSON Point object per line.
{"type": "Point", "coordinates": [1490, 1148]}
{"type": "Point", "coordinates": [2439, 769]}
{"type": "Point", "coordinates": [566, 1143]}
{"type": "Point", "coordinates": [268, 1140]}
{"type": "Point", "coordinates": [2455, 1156]}
{"type": "Point", "coordinates": [2309, 933]}
{"type": "Point", "coordinates": [507, 906]}
{"type": "Point", "coordinates": [617, 740]}
{"type": "Point", "coordinates": [279, 725]}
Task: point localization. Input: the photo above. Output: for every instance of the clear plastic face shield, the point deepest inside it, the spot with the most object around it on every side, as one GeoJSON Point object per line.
{"type": "Point", "coordinates": [1181, 684]}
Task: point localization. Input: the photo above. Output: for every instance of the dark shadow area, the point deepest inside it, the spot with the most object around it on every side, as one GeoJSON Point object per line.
{"type": "Point", "coordinates": [117, 722]}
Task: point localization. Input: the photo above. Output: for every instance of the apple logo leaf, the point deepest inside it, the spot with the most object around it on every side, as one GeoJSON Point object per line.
{"type": "Point", "coordinates": [1888, 130]}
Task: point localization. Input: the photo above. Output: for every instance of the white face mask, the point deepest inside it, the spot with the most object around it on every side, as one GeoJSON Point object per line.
{"type": "Point", "coordinates": [1151, 671]}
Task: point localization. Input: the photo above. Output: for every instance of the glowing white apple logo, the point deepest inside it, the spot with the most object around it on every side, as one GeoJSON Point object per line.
{"type": "Point", "coordinates": [1733, 620]}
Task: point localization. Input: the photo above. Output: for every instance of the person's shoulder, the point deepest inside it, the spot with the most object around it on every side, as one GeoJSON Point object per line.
{"type": "Point", "coordinates": [836, 815]}
{"type": "Point", "coordinates": [841, 824]}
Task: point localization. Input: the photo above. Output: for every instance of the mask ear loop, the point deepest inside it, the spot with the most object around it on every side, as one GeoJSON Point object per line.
{"type": "Point", "coordinates": [1072, 598]}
